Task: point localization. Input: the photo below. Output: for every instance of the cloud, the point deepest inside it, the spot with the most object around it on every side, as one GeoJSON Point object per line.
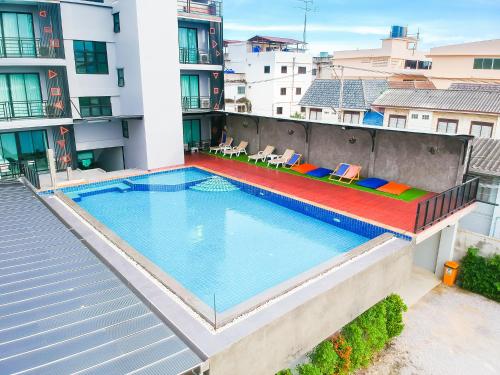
{"type": "Point", "coordinates": [361, 30]}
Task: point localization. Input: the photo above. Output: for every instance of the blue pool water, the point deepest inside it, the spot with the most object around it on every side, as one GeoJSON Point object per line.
{"type": "Point", "coordinates": [173, 178]}
{"type": "Point", "coordinates": [228, 243]}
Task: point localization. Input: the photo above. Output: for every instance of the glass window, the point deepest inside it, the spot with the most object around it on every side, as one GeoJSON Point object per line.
{"type": "Point", "coordinates": [478, 63]}
{"type": "Point", "coordinates": [298, 91]}
{"type": "Point", "coordinates": [302, 70]}
{"type": "Point", "coordinates": [241, 90]}
{"type": "Point", "coordinates": [192, 132]}
{"type": "Point", "coordinates": [397, 121]}
{"type": "Point", "coordinates": [315, 114]}
{"type": "Point", "coordinates": [125, 129]}
{"type": "Point", "coordinates": [447, 126]}
{"type": "Point", "coordinates": [279, 110]}
{"type": "Point", "coordinates": [496, 64]}
{"type": "Point", "coordinates": [425, 117]}
{"type": "Point", "coordinates": [303, 109]}
{"type": "Point", "coordinates": [116, 22]}
{"type": "Point", "coordinates": [90, 57]}
{"type": "Point", "coordinates": [414, 116]}
{"type": "Point", "coordinates": [190, 91]}
{"type": "Point", "coordinates": [85, 159]}
{"type": "Point", "coordinates": [351, 117]}
{"type": "Point", "coordinates": [267, 69]}
{"type": "Point", "coordinates": [26, 146]}
{"type": "Point", "coordinates": [17, 37]}
{"type": "Point", "coordinates": [8, 148]}
{"type": "Point", "coordinates": [284, 69]}
{"type": "Point", "coordinates": [188, 45]}
{"type": "Point", "coordinates": [20, 96]}
{"type": "Point", "coordinates": [481, 129]}
{"type": "Point", "coordinates": [95, 106]}
{"type": "Point", "coordinates": [121, 77]}
{"type": "Point", "coordinates": [283, 91]}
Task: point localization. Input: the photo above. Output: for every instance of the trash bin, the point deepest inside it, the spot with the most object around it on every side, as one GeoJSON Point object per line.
{"type": "Point", "coordinates": [450, 273]}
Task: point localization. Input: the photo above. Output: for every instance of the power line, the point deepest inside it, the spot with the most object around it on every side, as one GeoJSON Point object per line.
{"type": "Point", "coordinates": [307, 7]}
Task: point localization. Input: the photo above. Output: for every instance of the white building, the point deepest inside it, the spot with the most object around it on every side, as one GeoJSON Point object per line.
{"type": "Point", "coordinates": [85, 79]}
{"type": "Point", "coordinates": [277, 72]}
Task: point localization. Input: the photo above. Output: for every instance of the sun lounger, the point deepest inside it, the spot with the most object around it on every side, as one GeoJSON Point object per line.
{"type": "Point", "coordinates": [262, 155]}
{"type": "Point", "coordinates": [281, 159]}
{"type": "Point", "coordinates": [241, 148]}
{"type": "Point", "coordinates": [294, 160]}
{"type": "Point", "coordinates": [352, 174]}
{"type": "Point", "coordinates": [340, 171]}
{"type": "Point", "coordinates": [222, 146]}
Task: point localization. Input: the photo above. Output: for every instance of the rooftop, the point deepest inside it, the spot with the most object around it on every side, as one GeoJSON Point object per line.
{"type": "Point", "coordinates": [485, 157]}
{"type": "Point", "coordinates": [444, 100]}
{"type": "Point", "coordinates": [483, 47]}
{"type": "Point", "coordinates": [475, 87]}
{"type": "Point", "coordinates": [357, 94]}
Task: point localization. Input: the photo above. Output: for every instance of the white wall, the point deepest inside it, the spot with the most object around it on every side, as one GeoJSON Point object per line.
{"type": "Point", "coordinates": [99, 135]}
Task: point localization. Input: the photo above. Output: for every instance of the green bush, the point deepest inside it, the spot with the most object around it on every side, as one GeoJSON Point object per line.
{"type": "Point", "coordinates": [480, 274]}
{"type": "Point", "coordinates": [284, 372]}
{"type": "Point", "coordinates": [325, 358]}
{"type": "Point", "coordinates": [394, 306]}
{"type": "Point", "coordinates": [308, 369]}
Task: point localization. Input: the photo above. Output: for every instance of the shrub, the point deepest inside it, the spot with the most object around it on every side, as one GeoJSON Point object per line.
{"type": "Point", "coordinates": [325, 358]}
{"type": "Point", "coordinates": [394, 307]}
{"type": "Point", "coordinates": [284, 372]}
{"type": "Point", "coordinates": [343, 350]}
{"type": "Point", "coordinates": [308, 369]}
{"type": "Point", "coordinates": [480, 274]}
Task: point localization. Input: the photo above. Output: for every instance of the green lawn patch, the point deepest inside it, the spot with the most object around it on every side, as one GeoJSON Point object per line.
{"type": "Point", "coordinates": [407, 196]}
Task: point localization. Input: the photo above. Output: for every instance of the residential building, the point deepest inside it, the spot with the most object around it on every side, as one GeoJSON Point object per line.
{"type": "Point", "coordinates": [277, 72]}
{"type": "Point", "coordinates": [397, 59]}
{"type": "Point", "coordinates": [467, 111]}
{"type": "Point", "coordinates": [235, 91]}
{"type": "Point", "coordinates": [94, 95]}
{"type": "Point", "coordinates": [322, 102]}
{"type": "Point", "coordinates": [476, 62]}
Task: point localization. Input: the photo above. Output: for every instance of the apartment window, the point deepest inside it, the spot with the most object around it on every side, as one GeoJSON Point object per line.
{"type": "Point", "coordinates": [447, 126]}
{"type": "Point", "coordinates": [241, 108]}
{"type": "Point", "coordinates": [284, 69]}
{"type": "Point", "coordinates": [396, 121]}
{"type": "Point", "coordinates": [351, 117]}
{"type": "Point", "coordinates": [116, 22]}
{"type": "Point", "coordinates": [125, 129]}
{"type": "Point", "coordinates": [487, 63]}
{"type": "Point", "coordinates": [20, 96]}
{"type": "Point", "coordinates": [414, 116]}
{"type": "Point", "coordinates": [241, 90]}
{"type": "Point", "coordinates": [17, 35]}
{"type": "Point", "coordinates": [267, 69]}
{"type": "Point", "coordinates": [121, 77]}
{"type": "Point", "coordinates": [90, 57]}
{"type": "Point", "coordinates": [302, 70]}
{"type": "Point", "coordinates": [314, 72]}
{"type": "Point", "coordinates": [298, 91]}
{"type": "Point", "coordinates": [481, 129]}
{"type": "Point", "coordinates": [95, 106]}
{"type": "Point", "coordinates": [283, 91]}
{"type": "Point", "coordinates": [279, 110]}
{"type": "Point", "coordinates": [315, 114]}
{"type": "Point", "coordinates": [425, 117]}
{"type": "Point", "coordinates": [303, 109]}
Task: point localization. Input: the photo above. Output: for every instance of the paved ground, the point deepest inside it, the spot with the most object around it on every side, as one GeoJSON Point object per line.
{"type": "Point", "coordinates": [450, 331]}
{"type": "Point", "coordinates": [387, 211]}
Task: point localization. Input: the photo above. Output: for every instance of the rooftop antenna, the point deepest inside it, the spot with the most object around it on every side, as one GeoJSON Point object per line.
{"type": "Point", "coordinates": [307, 7]}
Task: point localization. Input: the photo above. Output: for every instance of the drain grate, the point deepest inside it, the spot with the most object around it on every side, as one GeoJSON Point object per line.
{"type": "Point", "coordinates": [215, 184]}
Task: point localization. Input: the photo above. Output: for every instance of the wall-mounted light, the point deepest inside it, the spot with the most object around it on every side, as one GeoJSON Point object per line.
{"type": "Point", "coordinates": [432, 150]}
{"type": "Point", "coordinates": [291, 132]}
{"type": "Point", "coordinates": [352, 140]}
{"type": "Point", "coordinates": [245, 124]}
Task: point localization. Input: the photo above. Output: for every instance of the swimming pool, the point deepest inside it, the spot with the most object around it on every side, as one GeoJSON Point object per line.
{"type": "Point", "coordinates": [222, 240]}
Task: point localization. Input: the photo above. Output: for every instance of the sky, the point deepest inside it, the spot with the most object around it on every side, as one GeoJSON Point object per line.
{"type": "Point", "coordinates": [351, 24]}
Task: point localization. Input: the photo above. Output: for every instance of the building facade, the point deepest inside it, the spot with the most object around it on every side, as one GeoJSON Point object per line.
{"type": "Point", "coordinates": [94, 95]}
{"type": "Point", "coordinates": [276, 73]}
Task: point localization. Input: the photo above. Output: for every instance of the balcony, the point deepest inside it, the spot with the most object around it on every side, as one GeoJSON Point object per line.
{"type": "Point", "coordinates": [210, 8]}
{"type": "Point", "coordinates": [194, 56]}
{"type": "Point", "coordinates": [30, 109]}
{"type": "Point", "coordinates": [26, 48]}
{"type": "Point", "coordinates": [196, 103]}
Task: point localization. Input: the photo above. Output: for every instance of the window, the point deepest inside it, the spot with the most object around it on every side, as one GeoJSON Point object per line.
{"type": "Point", "coordinates": [303, 109]}
{"type": "Point", "coordinates": [121, 77]}
{"type": "Point", "coordinates": [351, 117]}
{"type": "Point", "coordinates": [90, 57]}
{"type": "Point", "coordinates": [283, 91]}
{"type": "Point", "coordinates": [481, 129]}
{"type": "Point", "coordinates": [315, 114]}
{"type": "Point", "coordinates": [17, 35]}
{"type": "Point", "coordinates": [190, 91]}
{"type": "Point", "coordinates": [302, 70]}
{"type": "Point", "coordinates": [414, 116]}
{"type": "Point", "coordinates": [315, 72]}
{"type": "Point", "coordinates": [116, 22]}
{"type": "Point", "coordinates": [279, 110]}
{"type": "Point", "coordinates": [241, 108]}
{"type": "Point", "coordinates": [192, 132]}
{"type": "Point", "coordinates": [447, 126]}
{"type": "Point", "coordinates": [95, 106]}
{"type": "Point", "coordinates": [298, 91]}
{"type": "Point", "coordinates": [28, 146]}
{"type": "Point", "coordinates": [267, 69]}
{"type": "Point", "coordinates": [241, 90]}
{"type": "Point", "coordinates": [85, 159]}
{"type": "Point", "coordinates": [284, 69]}
{"type": "Point", "coordinates": [188, 46]}
{"type": "Point", "coordinates": [397, 121]}
{"type": "Point", "coordinates": [487, 63]}
{"type": "Point", "coordinates": [125, 129]}
{"type": "Point", "coordinates": [425, 117]}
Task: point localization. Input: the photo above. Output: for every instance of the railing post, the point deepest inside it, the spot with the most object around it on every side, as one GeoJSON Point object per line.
{"type": "Point", "coordinates": [417, 218]}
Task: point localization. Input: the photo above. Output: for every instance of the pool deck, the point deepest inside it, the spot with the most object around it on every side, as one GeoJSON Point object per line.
{"type": "Point", "coordinates": [378, 209]}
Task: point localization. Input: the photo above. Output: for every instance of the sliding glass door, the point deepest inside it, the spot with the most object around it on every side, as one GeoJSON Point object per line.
{"type": "Point", "coordinates": [190, 91]}
{"type": "Point", "coordinates": [192, 132]}
{"type": "Point", "coordinates": [27, 146]}
{"type": "Point", "coordinates": [188, 45]}
{"type": "Point", "coordinates": [20, 95]}
{"type": "Point", "coordinates": [17, 35]}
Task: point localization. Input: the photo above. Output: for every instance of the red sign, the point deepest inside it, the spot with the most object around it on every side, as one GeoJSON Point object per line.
{"type": "Point", "coordinates": [43, 13]}
{"type": "Point", "coordinates": [63, 130]}
{"type": "Point", "coordinates": [216, 90]}
{"type": "Point", "coordinates": [47, 29]}
{"type": "Point", "coordinates": [214, 44]}
{"type": "Point", "coordinates": [52, 74]}
{"type": "Point", "coordinates": [55, 91]}
{"type": "Point", "coordinates": [59, 105]}
{"type": "Point", "coordinates": [216, 106]}
{"type": "Point", "coordinates": [61, 143]}
{"type": "Point", "coordinates": [54, 43]}
{"type": "Point", "coordinates": [212, 30]}
{"type": "Point", "coordinates": [215, 74]}
{"type": "Point", "coordinates": [66, 158]}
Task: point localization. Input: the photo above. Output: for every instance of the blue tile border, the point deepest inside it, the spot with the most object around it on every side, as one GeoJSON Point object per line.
{"type": "Point", "coordinates": [341, 221]}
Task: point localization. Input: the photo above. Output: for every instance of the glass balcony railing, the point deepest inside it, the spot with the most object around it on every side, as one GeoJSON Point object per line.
{"type": "Point", "coordinates": [196, 103]}
{"type": "Point", "coordinates": [29, 109]}
{"type": "Point", "coordinates": [25, 47]}
{"type": "Point", "coordinates": [201, 7]}
{"type": "Point", "coordinates": [194, 56]}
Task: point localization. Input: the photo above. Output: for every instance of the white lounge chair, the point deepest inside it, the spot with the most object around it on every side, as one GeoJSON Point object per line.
{"type": "Point", "coordinates": [281, 159]}
{"type": "Point", "coordinates": [222, 146]}
{"type": "Point", "coordinates": [241, 148]}
{"type": "Point", "coordinates": [262, 155]}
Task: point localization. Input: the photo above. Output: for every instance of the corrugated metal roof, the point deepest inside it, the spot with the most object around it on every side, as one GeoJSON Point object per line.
{"type": "Point", "coordinates": [485, 157]}
{"type": "Point", "coordinates": [444, 100]}
{"type": "Point", "coordinates": [358, 94]}
{"type": "Point", "coordinates": [63, 311]}
{"type": "Point", "coordinates": [475, 86]}
{"type": "Point", "coordinates": [274, 39]}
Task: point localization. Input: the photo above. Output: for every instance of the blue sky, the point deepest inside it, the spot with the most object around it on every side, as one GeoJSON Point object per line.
{"type": "Point", "coordinates": [351, 24]}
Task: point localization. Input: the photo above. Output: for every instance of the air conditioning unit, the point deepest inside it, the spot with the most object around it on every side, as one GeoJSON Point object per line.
{"type": "Point", "coordinates": [205, 103]}
{"type": "Point", "coordinates": [204, 58]}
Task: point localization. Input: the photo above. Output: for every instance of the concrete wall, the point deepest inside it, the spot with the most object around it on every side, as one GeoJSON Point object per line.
{"type": "Point", "coordinates": [425, 253]}
{"type": "Point", "coordinates": [99, 135]}
{"type": "Point", "coordinates": [400, 156]}
{"type": "Point", "coordinates": [278, 344]}
{"type": "Point", "coordinates": [465, 239]}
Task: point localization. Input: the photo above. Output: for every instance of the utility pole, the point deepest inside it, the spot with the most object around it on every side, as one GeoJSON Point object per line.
{"type": "Point", "coordinates": [341, 95]}
{"type": "Point", "coordinates": [307, 7]}
{"type": "Point", "coordinates": [293, 85]}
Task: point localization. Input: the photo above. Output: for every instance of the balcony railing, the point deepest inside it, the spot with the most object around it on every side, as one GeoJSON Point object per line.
{"type": "Point", "coordinates": [28, 109]}
{"type": "Point", "coordinates": [194, 56]}
{"type": "Point", "coordinates": [10, 171]}
{"type": "Point", "coordinates": [196, 103]}
{"type": "Point", "coordinates": [202, 7]}
{"type": "Point", "coordinates": [439, 207]}
{"type": "Point", "coordinates": [25, 48]}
